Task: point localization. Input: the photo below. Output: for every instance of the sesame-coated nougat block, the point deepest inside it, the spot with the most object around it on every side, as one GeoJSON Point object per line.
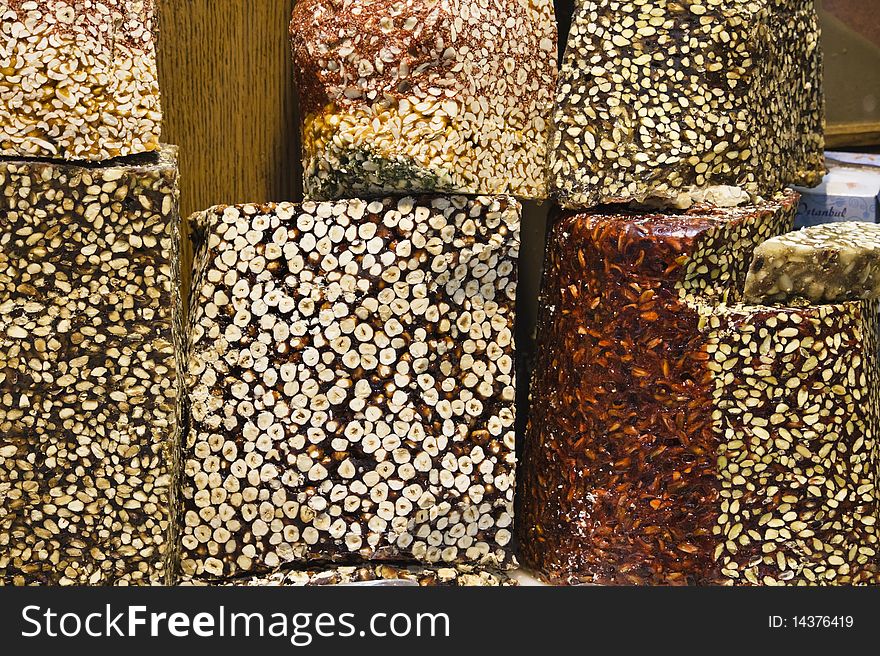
{"type": "Point", "coordinates": [88, 373]}
{"type": "Point", "coordinates": [78, 79]}
{"type": "Point", "coordinates": [661, 100]}
{"type": "Point", "coordinates": [351, 384]}
{"type": "Point", "coordinates": [424, 96]}
{"type": "Point", "coordinates": [828, 263]}
{"type": "Point", "coordinates": [374, 575]}
{"type": "Point", "coordinates": [618, 465]}
{"type": "Point", "coordinates": [795, 393]}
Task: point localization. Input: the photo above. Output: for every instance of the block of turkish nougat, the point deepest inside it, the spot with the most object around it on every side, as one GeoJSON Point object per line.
{"type": "Point", "coordinates": [795, 396]}
{"type": "Point", "coordinates": [78, 79]}
{"type": "Point", "coordinates": [373, 575]}
{"type": "Point", "coordinates": [351, 384]}
{"type": "Point", "coordinates": [424, 96]}
{"type": "Point", "coordinates": [827, 263]}
{"type": "Point", "coordinates": [619, 462]}
{"type": "Point", "coordinates": [88, 373]}
{"type": "Point", "coordinates": [664, 100]}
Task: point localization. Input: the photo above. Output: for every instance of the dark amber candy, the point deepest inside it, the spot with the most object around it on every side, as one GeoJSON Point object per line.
{"type": "Point", "coordinates": [620, 481]}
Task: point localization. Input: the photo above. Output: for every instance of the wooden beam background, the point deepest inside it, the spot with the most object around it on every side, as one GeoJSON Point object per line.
{"type": "Point", "coordinates": [227, 91]}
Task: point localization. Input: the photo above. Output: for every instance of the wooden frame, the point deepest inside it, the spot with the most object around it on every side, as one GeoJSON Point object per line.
{"type": "Point", "coordinates": [843, 135]}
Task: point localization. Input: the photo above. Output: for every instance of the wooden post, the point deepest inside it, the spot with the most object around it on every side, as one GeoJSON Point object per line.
{"type": "Point", "coordinates": [228, 97]}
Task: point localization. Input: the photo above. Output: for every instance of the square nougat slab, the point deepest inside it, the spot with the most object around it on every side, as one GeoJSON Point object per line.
{"type": "Point", "coordinates": [351, 384]}
{"type": "Point", "coordinates": [89, 430]}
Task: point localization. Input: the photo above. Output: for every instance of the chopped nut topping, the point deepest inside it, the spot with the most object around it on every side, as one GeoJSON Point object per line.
{"type": "Point", "coordinates": [78, 79]}
{"type": "Point", "coordinates": [351, 396]}
{"type": "Point", "coordinates": [402, 96]}
{"type": "Point", "coordinates": [89, 428]}
{"type": "Point", "coordinates": [659, 100]}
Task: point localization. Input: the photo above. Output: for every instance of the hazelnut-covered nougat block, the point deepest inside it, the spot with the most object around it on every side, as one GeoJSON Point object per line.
{"type": "Point", "coordinates": [351, 384]}
{"type": "Point", "coordinates": [78, 79]}
{"type": "Point", "coordinates": [371, 574]}
{"type": "Point", "coordinates": [89, 426]}
{"type": "Point", "coordinates": [425, 96]}
{"type": "Point", "coordinates": [827, 263]}
{"type": "Point", "coordinates": [666, 100]}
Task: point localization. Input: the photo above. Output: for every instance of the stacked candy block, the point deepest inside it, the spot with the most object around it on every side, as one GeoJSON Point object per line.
{"type": "Point", "coordinates": [350, 359]}
{"type": "Point", "coordinates": [89, 276]}
{"type": "Point", "coordinates": [683, 431]}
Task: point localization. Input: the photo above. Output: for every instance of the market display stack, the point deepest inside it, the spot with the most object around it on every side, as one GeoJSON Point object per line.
{"type": "Point", "coordinates": [340, 405]}
{"type": "Point", "coordinates": [88, 284]}
{"type": "Point", "coordinates": [350, 359]}
{"type": "Point", "coordinates": [681, 430]}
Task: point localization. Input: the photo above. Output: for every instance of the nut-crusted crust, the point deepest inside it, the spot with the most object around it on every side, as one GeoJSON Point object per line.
{"type": "Point", "coordinates": [657, 98]}
{"type": "Point", "coordinates": [78, 79]}
{"type": "Point", "coordinates": [413, 96]}
{"type": "Point", "coordinates": [797, 410]}
{"type": "Point", "coordinates": [828, 263]}
{"type": "Point", "coordinates": [460, 576]}
{"type": "Point", "coordinates": [88, 379]}
{"type": "Point", "coordinates": [351, 384]}
{"type": "Point", "coordinates": [619, 468]}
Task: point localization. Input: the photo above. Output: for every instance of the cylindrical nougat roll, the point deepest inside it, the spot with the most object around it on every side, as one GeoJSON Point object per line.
{"type": "Point", "coordinates": [796, 417]}
{"type": "Point", "coordinates": [666, 99]}
{"type": "Point", "coordinates": [618, 467]}
{"type": "Point", "coordinates": [78, 79]}
{"type": "Point", "coordinates": [89, 274]}
{"type": "Point", "coordinates": [351, 384]}
{"type": "Point", "coordinates": [424, 96]}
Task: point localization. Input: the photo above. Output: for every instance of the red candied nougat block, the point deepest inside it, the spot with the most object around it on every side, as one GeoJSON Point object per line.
{"type": "Point", "coordinates": [424, 97]}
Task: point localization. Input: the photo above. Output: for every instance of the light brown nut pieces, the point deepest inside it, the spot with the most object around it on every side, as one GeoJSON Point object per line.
{"type": "Point", "coordinates": [796, 410]}
{"type": "Point", "coordinates": [459, 576]}
{"type": "Point", "coordinates": [828, 263]}
{"type": "Point", "coordinates": [663, 99]}
{"type": "Point", "coordinates": [351, 384]}
{"type": "Point", "coordinates": [88, 380]}
{"type": "Point", "coordinates": [78, 79]}
{"type": "Point", "coordinates": [423, 96]}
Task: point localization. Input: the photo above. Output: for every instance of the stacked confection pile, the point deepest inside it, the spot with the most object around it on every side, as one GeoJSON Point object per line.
{"type": "Point", "coordinates": [88, 285]}
{"type": "Point", "coordinates": [339, 405]}
{"type": "Point", "coordinates": [694, 421]}
{"type": "Point", "coordinates": [350, 359]}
